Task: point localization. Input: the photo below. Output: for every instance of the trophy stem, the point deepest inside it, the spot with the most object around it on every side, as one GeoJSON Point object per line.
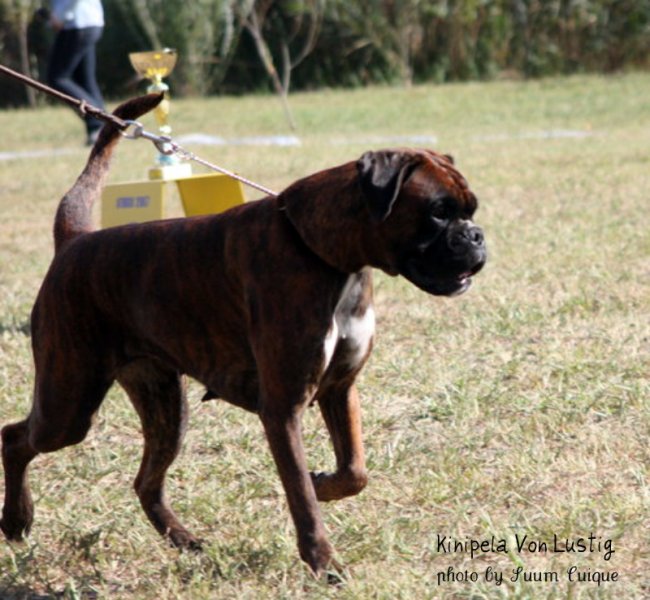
{"type": "Point", "coordinates": [154, 66]}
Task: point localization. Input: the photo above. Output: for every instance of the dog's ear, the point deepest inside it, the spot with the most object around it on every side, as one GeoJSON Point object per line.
{"type": "Point", "coordinates": [381, 176]}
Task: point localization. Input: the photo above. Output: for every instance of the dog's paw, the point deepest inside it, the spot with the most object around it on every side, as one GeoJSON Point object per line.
{"type": "Point", "coordinates": [336, 574]}
{"type": "Point", "coordinates": [16, 530]}
{"type": "Point", "coordinates": [335, 486]}
{"type": "Point", "coordinates": [318, 554]}
{"type": "Point", "coordinates": [324, 567]}
{"type": "Point", "coordinates": [184, 540]}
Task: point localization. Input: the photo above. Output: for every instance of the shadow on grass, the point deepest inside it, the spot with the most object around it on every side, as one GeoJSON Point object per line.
{"type": "Point", "coordinates": [22, 593]}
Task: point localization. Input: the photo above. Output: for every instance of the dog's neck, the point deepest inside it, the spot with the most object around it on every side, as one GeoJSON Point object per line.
{"type": "Point", "coordinates": [340, 233]}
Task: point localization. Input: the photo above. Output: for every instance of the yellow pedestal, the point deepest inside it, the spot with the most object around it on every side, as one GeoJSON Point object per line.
{"type": "Point", "coordinates": [208, 194]}
{"type": "Point", "coordinates": [140, 201]}
{"type": "Point", "coordinates": [134, 202]}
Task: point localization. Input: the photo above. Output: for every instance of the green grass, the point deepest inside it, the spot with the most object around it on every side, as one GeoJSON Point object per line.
{"type": "Point", "coordinates": [521, 408]}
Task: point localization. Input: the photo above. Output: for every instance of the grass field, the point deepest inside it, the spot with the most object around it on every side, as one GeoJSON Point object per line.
{"type": "Point", "coordinates": [519, 409]}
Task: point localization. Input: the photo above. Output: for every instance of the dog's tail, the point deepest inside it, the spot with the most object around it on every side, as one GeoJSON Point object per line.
{"type": "Point", "coordinates": [74, 215]}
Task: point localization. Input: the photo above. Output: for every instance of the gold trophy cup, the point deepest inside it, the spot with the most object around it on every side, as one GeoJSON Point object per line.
{"type": "Point", "coordinates": [155, 65]}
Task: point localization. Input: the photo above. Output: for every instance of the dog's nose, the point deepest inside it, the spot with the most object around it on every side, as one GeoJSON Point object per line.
{"type": "Point", "coordinates": [475, 236]}
{"type": "Point", "coordinates": [471, 236]}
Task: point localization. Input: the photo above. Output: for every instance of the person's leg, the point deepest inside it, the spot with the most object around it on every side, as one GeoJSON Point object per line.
{"type": "Point", "coordinates": [65, 57]}
{"type": "Point", "coordinates": [85, 75]}
{"type": "Point", "coordinates": [69, 69]}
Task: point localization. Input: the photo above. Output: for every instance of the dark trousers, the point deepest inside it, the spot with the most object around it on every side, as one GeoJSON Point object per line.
{"type": "Point", "coordinates": [72, 68]}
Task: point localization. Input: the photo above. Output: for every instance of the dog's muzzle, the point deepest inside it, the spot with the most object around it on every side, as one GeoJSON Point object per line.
{"type": "Point", "coordinates": [467, 244]}
{"type": "Point", "coordinates": [445, 265]}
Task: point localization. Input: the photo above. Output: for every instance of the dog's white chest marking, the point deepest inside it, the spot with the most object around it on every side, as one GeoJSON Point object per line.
{"type": "Point", "coordinates": [351, 327]}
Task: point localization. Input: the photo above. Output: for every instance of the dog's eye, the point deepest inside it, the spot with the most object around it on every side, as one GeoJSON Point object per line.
{"type": "Point", "coordinates": [442, 209]}
{"type": "Point", "coordinates": [439, 212]}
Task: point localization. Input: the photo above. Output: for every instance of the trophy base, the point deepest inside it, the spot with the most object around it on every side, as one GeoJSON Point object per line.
{"type": "Point", "coordinates": [171, 172]}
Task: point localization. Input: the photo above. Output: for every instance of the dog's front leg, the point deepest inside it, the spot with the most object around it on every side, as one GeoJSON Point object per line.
{"type": "Point", "coordinates": [341, 411]}
{"type": "Point", "coordinates": [284, 433]}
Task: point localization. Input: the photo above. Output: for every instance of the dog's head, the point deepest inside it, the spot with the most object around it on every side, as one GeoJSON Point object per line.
{"type": "Point", "coordinates": [422, 208]}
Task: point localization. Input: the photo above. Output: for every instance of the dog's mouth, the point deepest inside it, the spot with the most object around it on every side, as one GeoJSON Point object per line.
{"type": "Point", "coordinates": [464, 281]}
{"type": "Point", "coordinates": [440, 285]}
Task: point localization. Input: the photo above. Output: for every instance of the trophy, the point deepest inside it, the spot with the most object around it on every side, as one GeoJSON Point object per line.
{"type": "Point", "coordinates": [155, 65]}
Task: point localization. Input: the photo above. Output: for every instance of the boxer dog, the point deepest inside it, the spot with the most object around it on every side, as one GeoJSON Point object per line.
{"type": "Point", "coordinates": [269, 305]}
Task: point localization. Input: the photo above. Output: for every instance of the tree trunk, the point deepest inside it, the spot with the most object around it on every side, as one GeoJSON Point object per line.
{"type": "Point", "coordinates": [23, 52]}
{"type": "Point", "coordinates": [252, 25]}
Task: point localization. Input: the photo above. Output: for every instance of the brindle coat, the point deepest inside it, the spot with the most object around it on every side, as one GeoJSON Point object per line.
{"type": "Point", "coordinates": [269, 305]}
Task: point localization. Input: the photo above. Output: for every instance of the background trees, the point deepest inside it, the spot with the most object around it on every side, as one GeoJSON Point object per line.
{"type": "Point", "coordinates": [237, 46]}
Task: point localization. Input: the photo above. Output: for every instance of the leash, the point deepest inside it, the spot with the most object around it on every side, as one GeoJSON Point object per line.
{"type": "Point", "coordinates": [166, 145]}
{"type": "Point", "coordinates": [132, 130]}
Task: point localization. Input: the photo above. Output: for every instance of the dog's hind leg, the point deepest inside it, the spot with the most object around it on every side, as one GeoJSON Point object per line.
{"type": "Point", "coordinates": [17, 453]}
{"type": "Point", "coordinates": [158, 395]}
{"type": "Point", "coordinates": [340, 407]}
{"type": "Point", "coordinates": [61, 416]}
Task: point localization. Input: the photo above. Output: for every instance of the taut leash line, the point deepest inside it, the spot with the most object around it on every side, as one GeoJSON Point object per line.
{"type": "Point", "coordinates": [164, 144]}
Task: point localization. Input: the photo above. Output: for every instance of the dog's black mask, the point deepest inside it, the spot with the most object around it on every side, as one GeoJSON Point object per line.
{"type": "Point", "coordinates": [449, 252]}
{"type": "Point", "coordinates": [441, 249]}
